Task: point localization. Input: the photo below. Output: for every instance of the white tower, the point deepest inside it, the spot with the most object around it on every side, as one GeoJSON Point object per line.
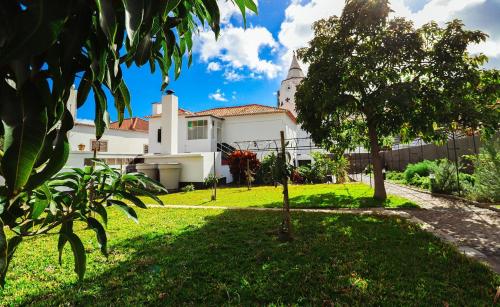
{"type": "Point", "coordinates": [286, 94]}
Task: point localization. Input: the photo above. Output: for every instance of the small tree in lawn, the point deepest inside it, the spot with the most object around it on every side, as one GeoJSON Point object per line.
{"type": "Point", "coordinates": [372, 77]}
{"type": "Point", "coordinates": [243, 164]}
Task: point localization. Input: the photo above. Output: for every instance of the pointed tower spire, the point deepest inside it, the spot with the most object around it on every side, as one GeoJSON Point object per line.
{"type": "Point", "coordinates": [295, 71]}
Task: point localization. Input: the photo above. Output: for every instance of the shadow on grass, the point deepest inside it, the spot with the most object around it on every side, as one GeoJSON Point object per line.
{"type": "Point", "coordinates": [334, 200]}
{"type": "Point", "coordinates": [235, 259]}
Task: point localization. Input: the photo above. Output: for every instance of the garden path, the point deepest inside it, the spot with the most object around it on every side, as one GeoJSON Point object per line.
{"type": "Point", "coordinates": [476, 231]}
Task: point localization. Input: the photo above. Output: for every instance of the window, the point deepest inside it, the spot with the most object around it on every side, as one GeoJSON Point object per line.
{"type": "Point", "coordinates": [219, 132]}
{"type": "Point", "coordinates": [145, 148]}
{"type": "Point", "coordinates": [197, 129]}
{"type": "Point", "coordinates": [101, 145]}
{"type": "Point", "coordinates": [158, 135]}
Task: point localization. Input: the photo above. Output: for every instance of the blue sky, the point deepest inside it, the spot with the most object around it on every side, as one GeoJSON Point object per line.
{"type": "Point", "coordinates": [247, 66]}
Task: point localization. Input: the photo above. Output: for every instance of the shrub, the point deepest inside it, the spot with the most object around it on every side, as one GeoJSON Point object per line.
{"type": "Point", "coordinates": [395, 176]}
{"type": "Point", "coordinates": [421, 182]}
{"type": "Point", "coordinates": [188, 188]}
{"type": "Point", "coordinates": [445, 177]}
{"type": "Point", "coordinates": [340, 167]}
{"type": "Point", "coordinates": [296, 177]}
{"type": "Point", "coordinates": [487, 173]}
{"type": "Point", "coordinates": [210, 180]}
{"type": "Point", "coordinates": [268, 172]}
{"type": "Point", "coordinates": [423, 169]}
{"type": "Point", "coordinates": [308, 174]}
{"type": "Point", "coordinates": [323, 165]}
{"type": "Point", "coordinates": [238, 164]}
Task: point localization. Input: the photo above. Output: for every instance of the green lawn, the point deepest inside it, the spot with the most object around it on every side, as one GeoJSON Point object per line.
{"type": "Point", "coordinates": [216, 257]}
{"type": "Point", "coordinates": [352, 195]}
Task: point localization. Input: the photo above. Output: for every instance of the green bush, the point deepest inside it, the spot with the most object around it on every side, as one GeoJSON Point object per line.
{"type": "Point", "coordinates": [188, 188]}
{"type": "Point", "coordinates": [395, 176]}
{"type": "Point", "coordinates": [486, 186]}
{"type": "Point", "coordinates": [423, 182]}
{"type": "Point", "coordinates": [445, 177]}
{"type": "Point", "coordinates": [423, 169]}
{"type": "Point", "coordinates": [322, 165]}
{"type": "Point", "coordinates": [309, 174]}
{"type": "Point", "coordinates": [268, 172]}
{"type": "Point", "coordinates": [340, 169]}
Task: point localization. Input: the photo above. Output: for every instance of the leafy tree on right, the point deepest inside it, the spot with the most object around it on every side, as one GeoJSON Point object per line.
{"type": "Point", "coordinates": [372, 76]}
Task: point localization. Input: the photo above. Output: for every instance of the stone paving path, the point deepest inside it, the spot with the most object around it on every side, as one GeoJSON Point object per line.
{"type": "Point", "coordinates": [476, 231]}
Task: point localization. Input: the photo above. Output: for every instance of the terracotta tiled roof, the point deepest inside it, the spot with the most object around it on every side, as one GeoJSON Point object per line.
{"type": "Point", "coordinates": [249, 109]}
{"type": "Point", "coordinates": [134, 124]}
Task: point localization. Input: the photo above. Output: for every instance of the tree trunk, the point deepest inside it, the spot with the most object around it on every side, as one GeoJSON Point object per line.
{"type": "Point", "coordinates": [377, 164]}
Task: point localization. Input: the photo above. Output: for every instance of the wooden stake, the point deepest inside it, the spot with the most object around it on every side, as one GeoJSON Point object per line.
{"type": "Point", "coordinates": [286, 227]}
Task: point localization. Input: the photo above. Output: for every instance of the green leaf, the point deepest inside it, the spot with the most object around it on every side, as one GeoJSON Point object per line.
{"type": "Point", "coordinates": [149, 194]}
{"type": "Point", "coordinates": [66, 227]}
{"type": "Point", "coordinates": [133, 199]}
{"type": "Point", "coordinates": [78, 253]}
{"type": "Point", "coordinates": [125, 208]}
{"type": "Point", "coordinates": [143, 50]}
{"type": "Point", "coordinates": [100, 111]}
{"type": "Point", "coordinates": [99, 208]}
{"type": "Point", "coordinates": [125, 96]}
{"type": "Point", "coordinates": [41, 204]}
{"type": "Point", "coordinates": [134, 12]}
{"type": "Point", "coordinates": [59, 155]}
{"type": "Point", "coordinates": [83, 89]}
{"type": "Point", "coordinates": [37, 28]}
{"type": "Point", "coordinates": [100, 233]}
{"type": "Point", "coordinates": [107, 19]}
{"type": "Point", "coordinates": [24, 140]}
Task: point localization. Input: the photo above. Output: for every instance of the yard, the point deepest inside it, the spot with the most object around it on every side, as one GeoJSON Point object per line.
{"type": "Point", "coordinates": [352, 195]}
{"type": "Point", "coordinates": [215, 257]}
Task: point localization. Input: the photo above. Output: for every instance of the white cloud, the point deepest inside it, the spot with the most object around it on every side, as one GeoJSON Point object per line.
{"type": "Point", "coordinates": [218, 96]}
{"type": "Point", "coordinates": [228, 10]}
{"type": "Point", "coordinates": [213, 66]}
{"type": "Point", "coordinates": [238, 48]}
{"type": "Point", "coordinates": [296, 30]}
{"type": "Point", "coordinates": [231, 75]}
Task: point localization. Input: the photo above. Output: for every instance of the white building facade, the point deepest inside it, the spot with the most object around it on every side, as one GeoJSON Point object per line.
{"type": "Point", "coordinates": [118, 146]}
{"type": "Point", "coordinates": [178, 135]}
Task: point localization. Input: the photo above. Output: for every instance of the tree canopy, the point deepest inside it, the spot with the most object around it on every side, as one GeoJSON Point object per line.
{"type": "Point", "coordinates": [372, 76]}
{"type": "Point", "coordinates": [45, 46]}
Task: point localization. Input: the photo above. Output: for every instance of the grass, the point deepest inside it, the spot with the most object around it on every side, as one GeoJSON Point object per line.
{"type": "Point", "coordinates": [216, 257]}
{"type": "Point", "coordinates": [352, 195]}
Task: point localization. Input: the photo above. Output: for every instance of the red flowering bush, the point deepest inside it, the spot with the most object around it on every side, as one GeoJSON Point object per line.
{"type": "Point", "coordinates": [238, 164]}
{"type": "Point", "coordinates": [297, 177]}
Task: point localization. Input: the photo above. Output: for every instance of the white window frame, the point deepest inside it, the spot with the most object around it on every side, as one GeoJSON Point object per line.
{"type": "Point", "coordinates": [197, 129]}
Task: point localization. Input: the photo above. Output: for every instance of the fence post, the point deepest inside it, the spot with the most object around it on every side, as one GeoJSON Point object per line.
{"type": "Point", "coordinates": [214, 196]}
{"type": "Point", "coordinates": [456, 162]}
{"type": "Point", "coordinates": [286, 228]}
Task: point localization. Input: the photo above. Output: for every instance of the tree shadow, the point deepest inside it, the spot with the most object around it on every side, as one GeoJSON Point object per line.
{"type": "Point", "coordinates": [234, 258]}
{"type": "Point", "coordinates": [332, 200]}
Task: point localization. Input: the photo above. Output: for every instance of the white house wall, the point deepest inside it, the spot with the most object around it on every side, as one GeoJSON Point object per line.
{"type": "Point", "coordinates": [154, 125]}
{"type": "Point", "coordinates": [119, 141]}
{"type": "Point", "coordinates": [195, 166]}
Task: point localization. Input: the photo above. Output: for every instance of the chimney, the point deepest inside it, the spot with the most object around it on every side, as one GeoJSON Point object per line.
{"type": "Point", "coordinates": [169, 124]}
{"type": "Point", "coordinates": [156, 108]}
{"type": "Point", "coordinates": [71, 104]}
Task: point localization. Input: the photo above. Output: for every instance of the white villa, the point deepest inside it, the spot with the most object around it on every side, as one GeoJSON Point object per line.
{"type": "Point", "coordinates": [196, 139]}
{"type": "Point", "coordinates": [118, 147]}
